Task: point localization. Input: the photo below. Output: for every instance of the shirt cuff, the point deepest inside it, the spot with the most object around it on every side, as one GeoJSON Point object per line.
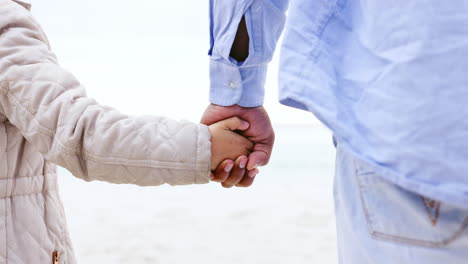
{"type": "Point", "coordinates": [231, 84]}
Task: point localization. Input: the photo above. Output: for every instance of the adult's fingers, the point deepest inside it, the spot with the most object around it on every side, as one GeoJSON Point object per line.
{"type": "Point", "coordinates": [237, 173]}
{"type": "Point", "coordinates": [257, 159]}
{"type": "Point", "coordinates": [222, 171]}
{"type": "Point", "coordinates": [260, 155]}
{"type": "Point", "coordinates": [248, 179]}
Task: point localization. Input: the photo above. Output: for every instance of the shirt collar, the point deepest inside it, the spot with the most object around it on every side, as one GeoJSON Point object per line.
{"type": "Point", "coordinates": [25, 3]}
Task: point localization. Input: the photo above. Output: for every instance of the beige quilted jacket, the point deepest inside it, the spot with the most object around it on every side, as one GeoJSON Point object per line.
{"type": "Point", "coordinates": [46, 119]}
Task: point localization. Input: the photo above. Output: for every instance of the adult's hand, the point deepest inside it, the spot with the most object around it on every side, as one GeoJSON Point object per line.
{"type": "Point", "coordinates": [260, 132]}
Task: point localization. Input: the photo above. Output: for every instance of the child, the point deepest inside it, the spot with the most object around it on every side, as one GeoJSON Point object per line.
{"type": "Point", "coordinates": [46, 119]}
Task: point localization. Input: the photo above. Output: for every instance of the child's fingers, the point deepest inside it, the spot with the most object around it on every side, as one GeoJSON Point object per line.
{"type": "Point", "coordinates": [248, 179]}
{"type": "Point", "coordinates": [237, 173]}
{"type": "Point", "coordinates": [222, 171]}
{"type": "Point", "coordinates": [235, 123]}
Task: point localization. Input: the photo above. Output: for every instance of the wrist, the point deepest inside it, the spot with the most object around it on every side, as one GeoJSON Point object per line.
{"type": "Point", "coordinates": [234, 109]}
{"type": "Point", "coordinates": [231, 84]}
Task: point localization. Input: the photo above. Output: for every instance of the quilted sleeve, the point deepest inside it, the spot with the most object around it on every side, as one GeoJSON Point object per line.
{"type": "Point", "coordinates": [94, 142]}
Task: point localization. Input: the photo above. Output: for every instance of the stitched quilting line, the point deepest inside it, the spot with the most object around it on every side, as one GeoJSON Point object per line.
{"type": "Point", "coordinates": [32, 176]}
{"type": "Point", "coordinates": [138, 162]}
{"type": "Point", "coordinates": [86, 155]}
{"type": "Point", "coordinates": [28, 113]}
{"type": "Point", "coordinates": [47, 184]}
{"type": "Point", "coordinates": [43, 192]}
{"type": "Point", "coordinates": [4, 149]}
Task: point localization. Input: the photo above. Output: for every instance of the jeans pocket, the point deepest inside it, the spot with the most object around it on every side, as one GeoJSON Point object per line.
{"type": "Point", "coordinates": [395, 214]}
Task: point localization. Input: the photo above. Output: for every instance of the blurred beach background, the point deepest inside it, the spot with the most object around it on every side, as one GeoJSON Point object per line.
{"type": "Point", "coordinates": [148, 57]}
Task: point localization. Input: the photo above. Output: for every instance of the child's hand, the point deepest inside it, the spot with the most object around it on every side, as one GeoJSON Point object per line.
{"type": "Point", "coordinates": [226, 143]}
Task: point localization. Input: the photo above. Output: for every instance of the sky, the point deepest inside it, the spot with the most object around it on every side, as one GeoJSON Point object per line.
{"type": "Point", "coordinates": [144, 57]}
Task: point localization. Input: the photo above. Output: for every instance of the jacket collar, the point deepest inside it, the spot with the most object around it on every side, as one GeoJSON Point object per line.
{"type": "Point", "coordinates": [25, 3]}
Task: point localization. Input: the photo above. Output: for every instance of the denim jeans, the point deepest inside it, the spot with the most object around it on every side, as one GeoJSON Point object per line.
{"type": "Point", "coordinates": [381, 223]}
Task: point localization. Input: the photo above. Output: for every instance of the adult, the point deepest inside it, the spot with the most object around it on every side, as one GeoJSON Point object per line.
{"type": "Point", "coordinates": [389, 79]}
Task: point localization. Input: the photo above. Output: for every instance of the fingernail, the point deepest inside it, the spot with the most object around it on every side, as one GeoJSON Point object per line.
{"type": "Point", "coordinates": [228, 167]}
{"type": "Point", "coordinates": [211, 176]}
{"type": "Point", "coordinates": [253, 173]}
{"type": "Point", "coordinates": [243, 163]}
{"type": "Point", "coordinates": [256, 165]}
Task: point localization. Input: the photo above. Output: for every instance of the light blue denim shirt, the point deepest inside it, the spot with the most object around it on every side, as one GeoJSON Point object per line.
{"type": "Point", "coordinates": [389, 78]}
{"type": "Point", "coordinates": [243, 83]}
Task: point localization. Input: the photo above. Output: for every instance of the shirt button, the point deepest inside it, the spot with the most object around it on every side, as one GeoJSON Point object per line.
{"type": "Point", "coordinates": [232, 84]}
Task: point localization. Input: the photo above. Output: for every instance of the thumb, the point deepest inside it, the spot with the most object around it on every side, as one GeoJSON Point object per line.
{"type": "Point", "coordinates": [257, 158]}
{"type": "Point", "coordinates": [260, 156]}
{"type": "Point", "coordinates": [235, 123]}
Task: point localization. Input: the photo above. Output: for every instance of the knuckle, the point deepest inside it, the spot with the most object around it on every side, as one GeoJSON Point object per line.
{"type": "Point", "coordinates": [235, 119]}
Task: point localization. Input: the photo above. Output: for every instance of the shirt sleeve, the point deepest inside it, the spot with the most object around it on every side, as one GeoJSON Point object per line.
{"type": "Point", "coordinates": [243, 83]}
